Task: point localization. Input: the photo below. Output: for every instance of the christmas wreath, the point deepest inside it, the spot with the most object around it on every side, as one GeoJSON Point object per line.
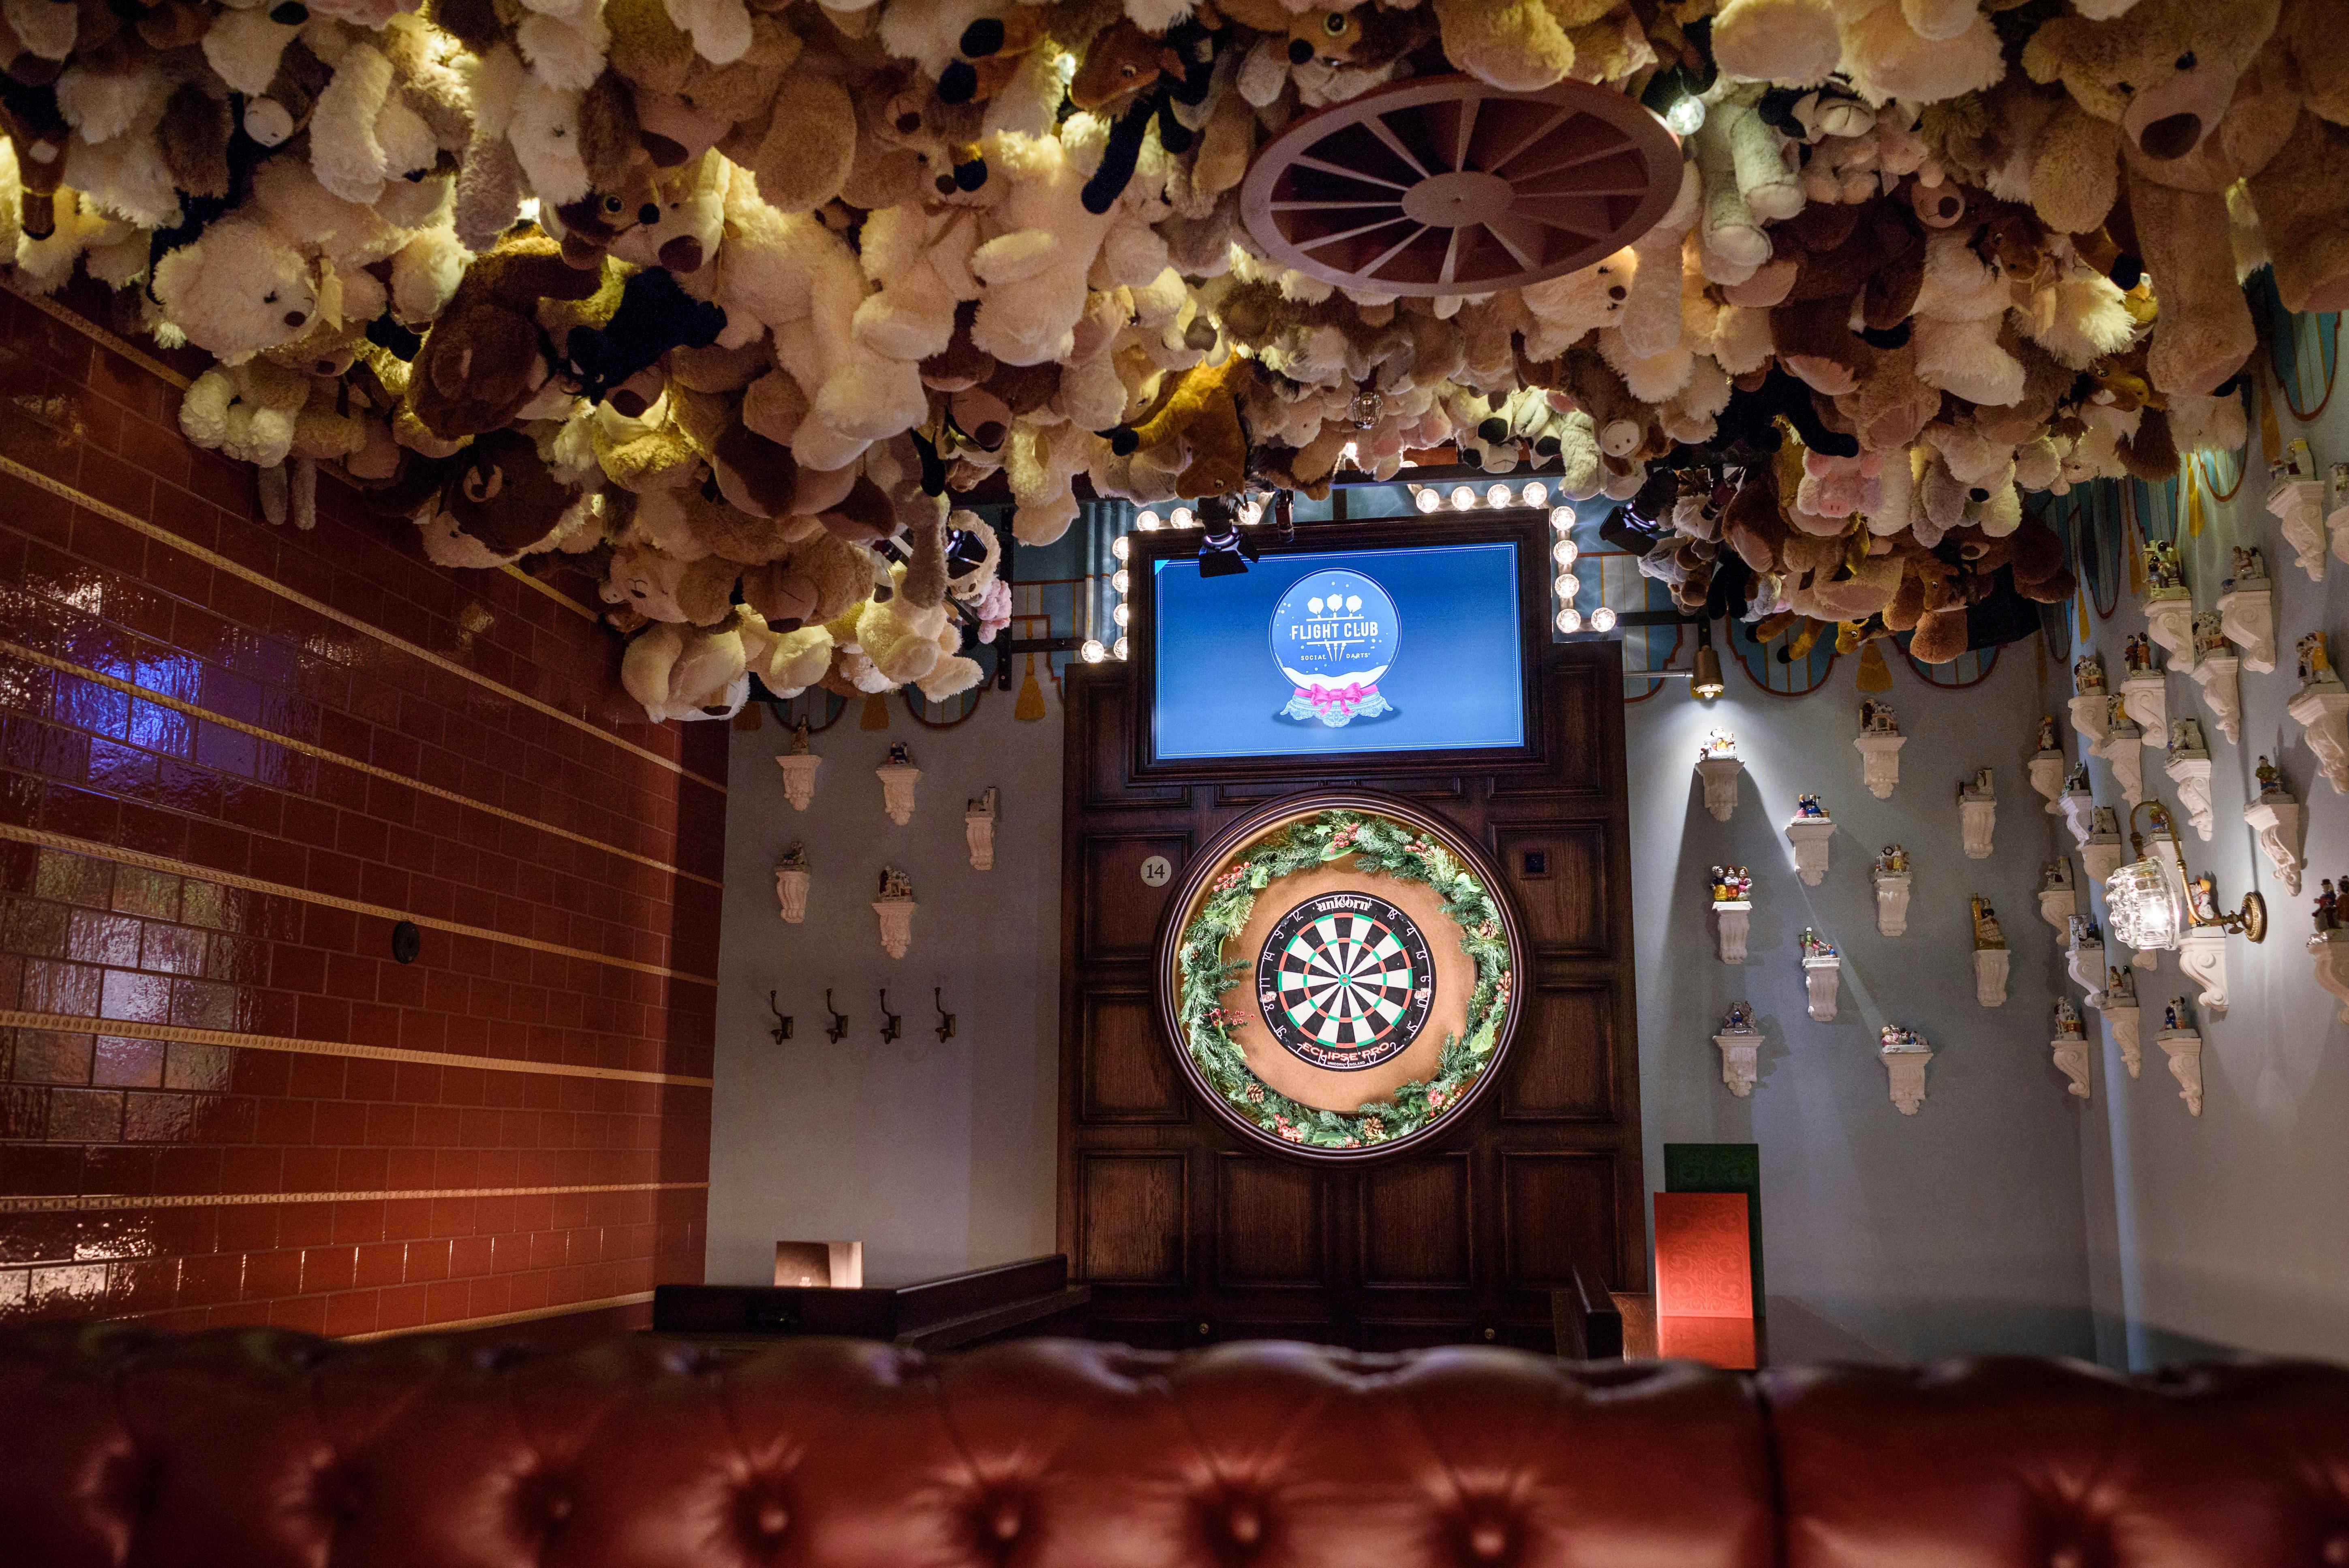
{"type": "Point", "coordinates": [1377, 844]}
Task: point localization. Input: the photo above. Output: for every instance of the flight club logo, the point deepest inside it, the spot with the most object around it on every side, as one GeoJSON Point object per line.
{"type": "Point", "coordinates": [1334, 635]}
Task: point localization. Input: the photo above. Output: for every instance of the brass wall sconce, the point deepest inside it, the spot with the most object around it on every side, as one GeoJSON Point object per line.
{"type": "Point", "coordinates": [2156, 902]}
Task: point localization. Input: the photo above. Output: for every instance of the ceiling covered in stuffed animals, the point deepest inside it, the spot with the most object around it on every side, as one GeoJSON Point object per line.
{"type": "Point", "coordinates": [736, 297]}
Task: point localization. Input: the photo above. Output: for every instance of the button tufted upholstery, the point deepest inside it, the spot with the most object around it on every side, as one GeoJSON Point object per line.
{"type": "Point", "coordinates": [260, 1448]}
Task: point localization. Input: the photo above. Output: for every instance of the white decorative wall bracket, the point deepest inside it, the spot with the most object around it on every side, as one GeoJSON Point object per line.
{"type": "Point", "coordinates": [799, 776]}
{"type": "Point", "coordinates": [2123, 1018]}
{"type": "Point", "coordinates": [1906, 1071]}
{"type": "Point", "coordinates": [2169, 622]}
{"type": "Point", "coordinates": [2079, 815]}
{"type": "Point", "coordinates": [898, 781]}
{"type": "Point", "coordinates": [1821, 980]}
{"type": "Point", "coordinates": [1730, 917]}
{"type": "Point", "coordinates": [2330, 949]}
{"type": "Point", "coordinates": [2323, 714]}
{"type": "Point", "coordinates": [2202, 954]}
{"type": "Point", "coordinates": [2281, 825]}
{"type": "Point", "coordinates": [1740, 1061]}
{"type": "Point", "coordinates": [2148, 697]}
{"type": "Point", "coordinates": [2298, 509]}
{"type": "Point", "coordinates": [2071, 1056]}
{"type": "Point", "coordinates": [2129, 766]}
{"type": "Point", "coordinates": [2184, 1049]}
{"type": "Point", "coordinates": [2084, 962]}
{"type": "Point", "coordinates": [2101, 854]}
{"type": "Point", "coordinates": [1990, 975]}
{"type": "Point", "coordinates": [1891, 904]}
{"type": "Point", "coordinates": [978, 830]}
{"type": "Point", "coordinates": [2190, 771]}
{"type": "Point", "coordinates": [1719, 776]}
{"type": "Point", "coordinates": [897, 917]}
{"type": "Point", "coordinates": [790, 892]}
{"type": "Point", "coordinates": [2091, 716]}
{"type": "Point", "coordinates": [2222, 693]}
{"type": "Point", "coordinates": [1977, 818]}
{"type": "Point", "coordinates": [1879, 762]}
{"type": "Point", "coordinates": [2057, 905]}
{"type": "Point", "coordinates": [2047, 771]}
{"type": "Point", "coordinates": [2248, 617]}
{"type": "Point", "coordinates": [1810, 836]}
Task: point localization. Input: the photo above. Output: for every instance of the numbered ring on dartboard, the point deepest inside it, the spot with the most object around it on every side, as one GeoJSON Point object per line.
{"type": "Point", "coordinates": [1345, 981]}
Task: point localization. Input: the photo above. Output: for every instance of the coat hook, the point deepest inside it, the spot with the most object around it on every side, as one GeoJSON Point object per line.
{"type": "Point", "coordinates": [839, 1019]}
{"type": "Point", "coordinates": [783, 1030]}
{"type": "Point", "coordinates": [946, 1019]}
{"type": "Point", "coordinates": [889, 1020]}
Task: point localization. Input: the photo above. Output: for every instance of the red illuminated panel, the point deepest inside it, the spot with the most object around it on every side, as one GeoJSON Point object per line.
{"type": "Point", "coordinates": [1704, 1259]}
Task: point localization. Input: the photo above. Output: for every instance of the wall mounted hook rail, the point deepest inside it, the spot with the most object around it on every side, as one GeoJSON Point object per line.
{"type": "Point", "coordinates": [891, 1024]}
{"type": "Point", "coordinates": [839, 1029]}
{"type": "Point", "coordinates": [783, 1030]}
{"type": "Point", "coordinates": [946, 1019]}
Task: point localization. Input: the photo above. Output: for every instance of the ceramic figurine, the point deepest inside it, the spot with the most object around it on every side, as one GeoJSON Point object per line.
{"type": "Point", "coordinates": [2321, 708]}
{"type": "Point", "coordinates": [2056, 875]}
{"type": "Point", "coordinates": [1732, 884]}
{"type": "Point", "coordinates": [2162, 574]}
{"type": "Point", "coordinates": [798, 765]}
{"type": "Point", "coordinates": [2328, 908]}
{"type": "Point", "coordinates": [893, 904]}
{"type": "Point", "coordinates": [1987, 935]}
{"type": "Point", "coordinates": [2271, 781]}
{"type": "Point", "coordinates": [2328, 944]}
{"type": "Point", "coordinates": [2136, 656]}
{"type": "Point", "coordinates": [1733, 887]}
{"type": "Point", "coordinates": [1740, 1048]}
{"type": "Point", "coordinates": [1991, 956]}
{"type": "Point", "coordinates": [2048, 732]}
{"type": "Point", "coordinates": [1892, 863]}
{"type": "Point", "coordinates": [2170, 1013]}
{"type": "Point", "coordinates": [1717, 763]}
{"type": "Point", "coordinates": [2088, 676]}
{"type": "Point", "coordinates": [2084, 958]}
{"type": "Point", "coordinates": [2249, 566]}
{"type": "Point", "coordinates": [2067, 1018]}
{"type": "Point", "coordinates": [1904, 1054]}
{"type": "Point", "coordinates": [1978, 813]}
{"type": "Point", "coordinates": [792, 883]}
{"type": "Point", "coordinates": [898, 776]}
{"type": "Point", "coordinates": [1808, 810]}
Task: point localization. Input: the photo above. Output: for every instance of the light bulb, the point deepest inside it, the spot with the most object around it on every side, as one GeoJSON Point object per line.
{"type": "Point", "coordinates": [1500, 496]}
{"type": "Point", "coordinates": [1119, 613]}
{"type": "Point", "coordinates": [1427, 498]}
{"type": "Point", "coordinates": [1567, 585]}
{"type": "Point", "coordinates": [1686, 117]}
{"type": "Point", "coordinates": [1120, 581]}
{"type": "Point", "coordinates": [1561, 518]}
{"type": "Point", "coordinates": [1602, 619]}
{"type": "Point", "coordinates": [1534, 494]}
{"type": "Point", "coordinates": [1121, 548]}
{"type": "Point", "coordinates": [1181, 517]}
{"type": "Point", "coordinates": [1120, 649]}
{"type": "Point", "coordinates": [1147, 522]}
{"type": "Point", "coordinates": [1093, 653]}
{"type": "Point", "coordinates": [1462, 497]}
{"type": "Point", "coordinates": [1251, 513]}
{"type": "Point", "coordinates": [1570, 620]}
{"type": "Point", "coordinates": [1565, 551]}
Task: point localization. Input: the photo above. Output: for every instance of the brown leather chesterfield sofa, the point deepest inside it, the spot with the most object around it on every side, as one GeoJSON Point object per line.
{"type": "Point", "coordinates": [268, 1450]}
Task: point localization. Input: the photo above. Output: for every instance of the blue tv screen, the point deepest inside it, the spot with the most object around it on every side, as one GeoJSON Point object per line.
{"type": "Point", "coordinates": [1413, 649]}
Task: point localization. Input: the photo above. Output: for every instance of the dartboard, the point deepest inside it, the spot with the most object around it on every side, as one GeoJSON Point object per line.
{"type": "Point", "coordinates": [1345, 981]}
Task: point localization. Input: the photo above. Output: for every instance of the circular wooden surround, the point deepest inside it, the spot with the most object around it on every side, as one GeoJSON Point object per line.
{"type": "Point", "coordinates": [1444, 185]}
{"type": "Point", "coordinates": [1393, 933]}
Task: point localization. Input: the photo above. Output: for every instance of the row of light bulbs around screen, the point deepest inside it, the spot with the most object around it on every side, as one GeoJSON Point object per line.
{"type": "Point", "coordinates": [1566, 586]}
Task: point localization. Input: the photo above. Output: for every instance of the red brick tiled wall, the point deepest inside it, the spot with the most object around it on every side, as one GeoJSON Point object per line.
{"type": "Point", "coordinates": [230, 757]}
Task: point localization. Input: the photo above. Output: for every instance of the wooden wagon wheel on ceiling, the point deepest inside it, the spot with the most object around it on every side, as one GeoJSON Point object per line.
{"type": "Point", "coordinates": [1448, 186]}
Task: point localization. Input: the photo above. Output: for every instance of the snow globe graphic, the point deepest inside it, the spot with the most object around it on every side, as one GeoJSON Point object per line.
{"type": "Point", "coordinates": [1334, 635]}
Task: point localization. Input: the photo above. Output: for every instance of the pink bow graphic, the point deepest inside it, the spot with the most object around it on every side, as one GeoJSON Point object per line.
{"type": "Point", "coordinates": [1345, 698]}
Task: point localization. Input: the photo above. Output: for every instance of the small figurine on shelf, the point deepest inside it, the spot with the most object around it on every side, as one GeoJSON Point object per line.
{"type": "Point", "coordinates": [2328, 908]}
{"type": "Point", "coordinates": [2086, 931]}
{"type": "Point", "coordinates": [800, 739]}
{"type": "Point", "coordinates": [1739, 1020]}
{"type": "Point", "coordinates": [2171, 1014]}
{"type": "Point", "coordinates": [2047, 733]}
{"type": "Point", "coordinates": [794, 858]}
{"type": "Point", "coordinates": [1732, 884]}
{"type": "Point", "coordinates": [2067, 1020]}
{"type": "Point", "coordinates": [2162, 574]}
{"type": "Point", "coordinates": [895, 885]}
{"type": "Point", "coordinates": [2121, 988]}
{"type": "Point", "coordinates": [1808, 810]}
{"type": "Point", "coordinates": [1981, 786]}
{"type": "Point", "coordinates": [2186, 737]}
{"type": "Point", "coordinates": [1987, 935]}
{"type": "Point", "coordinates": [2210, 641]}
{"type": "Point", "coordinates": [1719, 743]}
{"type": "Point", "coordinates": [2105, 824]}
{"type": "Point", "coordinates": [1817, 946]}
{"type": "Point", "coordinates": [2249, 567]}
{"type": "Point", "coordinates": [2316, 661]}
{"type": "Point", "coordinates": [2117, 717]}
{"type": "Point", "coordinates": [2136, 656]}
{"type": "Point", "coordinates": [899, 755]}
{"type": "Point", "coordinates": [2271, 786]}
{"type": "Point", "coordinates": [2076, 781]}
{"type": "Point", "coordinates": [2088, 674]}
{"type": "Point", "coordinates": [2202, 895]}
{"type": "Point", "coordinates": [1877, 717]}
{"type": "Point", "coordinates": [2056, 877]}
{"type": "Point", "coordinates": [1894, 1038]}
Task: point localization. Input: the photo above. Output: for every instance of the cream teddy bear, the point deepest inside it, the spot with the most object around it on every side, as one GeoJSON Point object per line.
{"type": "Point", "coordinates": [1960, 309]}
{"type": "Point", "coordinates": [680, 671]}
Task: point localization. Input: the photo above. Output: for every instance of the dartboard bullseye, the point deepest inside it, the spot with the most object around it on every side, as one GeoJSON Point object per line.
{"type": "Point", "coordinates": [1345, 981]}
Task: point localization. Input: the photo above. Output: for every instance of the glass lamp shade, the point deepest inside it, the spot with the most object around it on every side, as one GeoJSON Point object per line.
{"type": "Point", "coordinates": [2146, 901]}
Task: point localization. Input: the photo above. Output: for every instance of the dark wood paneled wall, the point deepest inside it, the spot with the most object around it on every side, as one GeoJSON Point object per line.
{"type": "Point", "coordinates": [1187, 1235]}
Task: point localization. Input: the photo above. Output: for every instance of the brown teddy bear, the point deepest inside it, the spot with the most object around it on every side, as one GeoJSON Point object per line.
{"type": "Point", "coordinates": [2180, 100]}
{"type": "Point", "coordinates": [486, 356]}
